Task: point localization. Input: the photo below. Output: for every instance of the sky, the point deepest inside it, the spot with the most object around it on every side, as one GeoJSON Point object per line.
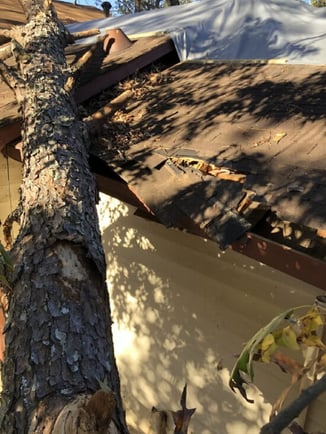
{"type": "Point", "coordinates": [93, 2]}
{"type": "Point", "coordinates": [90, 2]}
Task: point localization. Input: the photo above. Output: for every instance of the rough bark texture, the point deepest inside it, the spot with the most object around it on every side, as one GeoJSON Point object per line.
{"type": "Point", "coordinates": [58, 333]}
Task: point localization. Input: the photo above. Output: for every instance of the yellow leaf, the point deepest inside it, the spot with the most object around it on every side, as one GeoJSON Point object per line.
{"type": "Point", "coordinates": [313, 341]}
{"type": "Point", "coordinates": [289, 338]}
{"type": "Point", "coordinates": [267, 342]}
{"type": "Point", "coordinates": [267, 346]}
{"type": "Point", "coordinates": [311, 321]}
{"type": "Point", "coordinates": [322, 362]}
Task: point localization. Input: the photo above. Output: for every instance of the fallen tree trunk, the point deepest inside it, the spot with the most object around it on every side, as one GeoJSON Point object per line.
{"type": "Point", "coordinates": [59, 372]}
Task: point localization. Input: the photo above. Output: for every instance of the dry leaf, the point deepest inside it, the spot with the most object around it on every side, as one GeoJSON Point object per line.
{"type": "Point", "coordinates": [287, 364]}
{"type": "Point", "coordinates": [182, 417]}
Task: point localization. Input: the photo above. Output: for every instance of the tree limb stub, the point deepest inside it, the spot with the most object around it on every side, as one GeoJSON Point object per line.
{"type": "Point", "coordinates": [12, 79]}
{"type": "Point", "coordinates": [6, 33]}
{"type": "Point", "coordinates": [87, 414]}
{"type": "Point", "coordinates": [13, 217]}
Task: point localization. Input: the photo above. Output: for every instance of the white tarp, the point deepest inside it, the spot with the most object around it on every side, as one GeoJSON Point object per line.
{"type": "Point", "coordinates": [233, 29]}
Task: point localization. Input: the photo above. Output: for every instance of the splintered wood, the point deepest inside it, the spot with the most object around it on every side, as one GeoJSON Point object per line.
{"type": "Point", "coordinates": [209, 169]}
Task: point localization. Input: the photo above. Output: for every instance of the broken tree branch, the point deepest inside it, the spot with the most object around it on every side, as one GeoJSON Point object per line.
{"type": "Point", "coordinates": [84, 59]}
{"type": "Point", "coordinates": [5, 52]}
{"type": "Point", "coordinates": [84, 34]}
{"type": "Point", "coordinates": [6, 33]}
{"type": "Point", "coordinates": [10, 76]}
{"type": "Point", "coordinates": [97, 119]}
{"type": "Point", "coordinates": [77, 68]}
{"type": "Point", "coordinates": [95, 52]}
{"type": "Point", "coordinates": [286, 416]}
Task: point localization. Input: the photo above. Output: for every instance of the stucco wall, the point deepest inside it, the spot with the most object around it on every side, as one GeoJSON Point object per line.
{"type": "Point", "coordinates": [180, 306]}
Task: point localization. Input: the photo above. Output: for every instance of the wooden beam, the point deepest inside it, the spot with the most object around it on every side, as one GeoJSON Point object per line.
{"type": "Point", "coordinates": [122, 71]}
{"type": "Point", "coordinates": [9, 133]}
{"type": "Point", "coordinates": [120, 190]}
{"type": "Point", "coordinates": [299, 265]}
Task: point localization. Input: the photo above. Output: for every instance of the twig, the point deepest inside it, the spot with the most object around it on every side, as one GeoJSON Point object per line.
{"type": "Point", "coordinates": [286, 416]}
{"type": "Point", "coordinates": [84, 34]}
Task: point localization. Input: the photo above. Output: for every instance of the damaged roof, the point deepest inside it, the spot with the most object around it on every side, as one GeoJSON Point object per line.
{"type": "Point", "coordinates": [212, 147]}
{"type": "Point", "coordinates": [225, 137]}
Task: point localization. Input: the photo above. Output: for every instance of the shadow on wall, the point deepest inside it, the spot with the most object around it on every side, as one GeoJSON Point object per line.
{"type": "Point", "coordinates": [181, 308]}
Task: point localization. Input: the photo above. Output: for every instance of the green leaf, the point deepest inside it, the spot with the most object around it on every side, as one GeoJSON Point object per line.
{"type": "Point", "coordinates": [6, 258]}
{"type": "Point", "coordinates": [244, 363]}
{"type": "Point", "coordinates": [314, 341]}
{"type": "Point", "coordinates": [3, 280]}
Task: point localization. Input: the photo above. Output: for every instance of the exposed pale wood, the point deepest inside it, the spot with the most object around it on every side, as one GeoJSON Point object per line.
{"type": "Point", "coordinates": [321, 233]}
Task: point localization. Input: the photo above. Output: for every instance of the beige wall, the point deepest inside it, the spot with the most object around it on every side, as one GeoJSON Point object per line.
{"type": "Point", "coordinates": [181, 305]}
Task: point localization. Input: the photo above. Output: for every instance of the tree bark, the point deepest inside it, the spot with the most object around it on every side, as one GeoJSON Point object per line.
{"type": "Point", "coordinates": [59, 373]}
{"type": "Point", "coordinates": [138, 6]}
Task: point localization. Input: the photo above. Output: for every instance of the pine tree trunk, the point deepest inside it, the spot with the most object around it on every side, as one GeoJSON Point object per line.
{"type": "Point", "coordinates": [138, 5]}
{"type": "Point", "coordinates": [58, 334]}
